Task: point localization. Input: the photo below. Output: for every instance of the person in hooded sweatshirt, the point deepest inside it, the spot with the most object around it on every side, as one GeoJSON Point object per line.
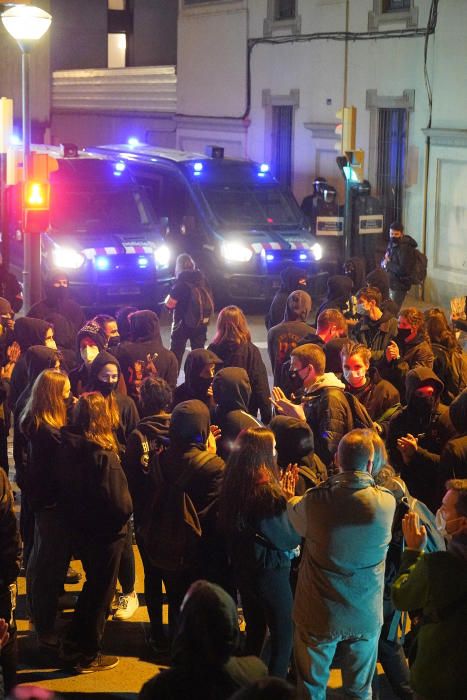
{"type": "Point", "coordinates": [200, 366]}
{"type": "Point", "coordinates": [453, 460]}
{"type": "Point", "coordinates": [204, 662]}
{"type": "Point", "coordinates": [418, 434]}
{"type": "Point", "coordinates": [232, 392]}
{"type": "Point", "coordinates": [284, 337]}
{"type": "Point", "coordinates": [146, 442]}
{"type": "Point", "coordinates": [339, 296]}
{"type": "Point", "coordinates": [380, 279]}
{"type": "Point", "coordinates": [65, 338]}
{"type": "Point", "coordinates": [189, 435]}
{"type": "Point", "coordinates": [399, 262]}
{"type": "Point", "coordinates": [232, 343]}
{"type": "Point", "coordinates": [28, 331]}
{"type": "Point", "coordinates": [295, 445]}
{"type": "Point", "coordinates": [145, 347]}
{"type": "Point", "coordinates": [103, 377]}
{"type": "Point", "coordinates": [90, 341]}
{"type": "Point", "coordinates": [187, 276]}
{"type": "Point", "coordinates": [376, 327]}
{"type": "Point", "coordinates": [57, 300]}
{"type": "Point", "coordinates": [292, 279]}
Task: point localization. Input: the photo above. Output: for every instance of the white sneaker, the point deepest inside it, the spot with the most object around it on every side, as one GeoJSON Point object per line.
{"type": "Point", "coordinates": [127, 606]}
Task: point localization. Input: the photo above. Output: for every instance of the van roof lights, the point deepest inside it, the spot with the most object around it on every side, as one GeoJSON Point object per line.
{"type": "Point", "coordinates": [102, 262]}
{"type": "Point", "coordinates": [264, 168]}
{"type": "Point", "coordinates": [197, 167]}
{"type": "Point", "coordinates": [133, 141]}
{"type": "Point", "coordinates": [120, 167]}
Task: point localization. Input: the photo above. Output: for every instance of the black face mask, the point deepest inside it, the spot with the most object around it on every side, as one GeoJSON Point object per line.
{"type": "Point", "coordinates": [105, 388]}
{"type": "Point", "coordinates": [114, 340]}
{"type": "Point", "coordinates": [422, 407]}
{"type": "Point", "coordinates": [402, 335]}
{"type": "Point", "coordinates": [200, 385]}
{"type": "Point", "coordinates": [57, 294]}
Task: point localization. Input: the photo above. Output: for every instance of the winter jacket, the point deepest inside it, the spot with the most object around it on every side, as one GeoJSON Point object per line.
{"type": "Point", "coordinates": [181, 292]}
{"type": "Point", "coordinates": [248, 356]}
{"type": "Point", "coordinates": [346, 523]}
{"type": "Point", "coordinates": [146, 340]}
{"type": "Point", "coordinates": [377, 395]}
{"type": "Point", "coordinates": [376, 335]}
{"type": "Point", "coordinates": [401, 263]}
{"type": "Point", "coordinates": [28, 332]}
{"type": "Point", "coordinates": [433, 430]}
{"type": "Point", "coordinates": [138, 458]}
{"type": "Point", "coordinates": [232, 393]}
{"type": "Point", "coordinates": [328, 414]}
{"type": "Point", "coordinates": [10, 543]}
{"type": "Point", "coordinates": [94, 491]}
{"type": "Point", "coordinates": [41, 479]}
{"type": "Point", "coordinates": [416, 353]}
{"type": "Point", "coordinates": [437, 583]}
{"type": "Point", "coordinates": [453, 459]}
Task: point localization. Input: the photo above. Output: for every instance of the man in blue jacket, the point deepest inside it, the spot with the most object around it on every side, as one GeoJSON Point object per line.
{"type": "Point", "coordinates": [346, 522]}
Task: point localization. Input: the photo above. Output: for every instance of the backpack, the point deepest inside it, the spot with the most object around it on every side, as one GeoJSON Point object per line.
{"type": "Point", "coordinates": [137, 373]}
{"type": "Point", "coordinates": [420, 267]}
{"type": "Point", "coordinates": [454, 372]}
{"type": "Point", "coordinates": [171, 530]}
{"type": "Point", "coordinates": [360, 416]}
{"type": "Point", "coordinates": [200, 306]}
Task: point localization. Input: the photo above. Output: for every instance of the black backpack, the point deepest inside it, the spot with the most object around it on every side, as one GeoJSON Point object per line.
{"type": "Point", "coordinates": [200, 306]}
{"type": "Point", "coordinates": [418, 275]}
{"type": "Point", "coordinates": [137, 373]}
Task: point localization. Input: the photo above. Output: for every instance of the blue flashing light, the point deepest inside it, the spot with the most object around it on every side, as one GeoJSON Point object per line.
{"type": "Point", "coordinates": [197, 167]}
{"type": "Point", "coordinates": [102, 262]}
{"type": "Point", "coordinates": [143, 263]}
{"type": "Point", "coordinates": [261, 174]}
{"type": "Point", "coordinates": [303, 256]}
{"type": "Point", "coordinates": [133, 141]}
{"type": "Point", "coordinates": [120, 167]}
{"type": "Point", "coordinates": [269, 256]}
{"type": "Point", "coordinates": [15, 140]}
{"type": "Point", "coordinates": [264, 168]}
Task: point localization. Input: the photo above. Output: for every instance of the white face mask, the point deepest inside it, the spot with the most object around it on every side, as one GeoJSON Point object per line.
{"type": "Point", "coordinates": [350, 374]}
{"type": "Point", "coordinates": [89, 354]}
{"type": "Point", "coordinates": [361, 311]}
{"type": "Point", "coordinates": [50, 343]}
{"type": "Point", "coordinates": [441, 522]}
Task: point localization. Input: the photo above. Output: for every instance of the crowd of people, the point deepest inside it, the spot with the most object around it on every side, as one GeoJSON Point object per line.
{"type": "Point", "coordinates": [329, 512]}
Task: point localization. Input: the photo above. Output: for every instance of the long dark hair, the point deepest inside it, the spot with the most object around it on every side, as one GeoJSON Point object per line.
{"type": "Point", "coordinates": [251, 488]}
{"type": "Point", "coordinates": [438, 329]}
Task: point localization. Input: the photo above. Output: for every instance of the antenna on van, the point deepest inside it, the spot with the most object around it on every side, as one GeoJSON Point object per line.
{"type": "Point", "coordinates": [214, 151]}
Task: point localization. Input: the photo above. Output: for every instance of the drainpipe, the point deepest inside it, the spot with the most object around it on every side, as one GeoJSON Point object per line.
{"type": "Point", "coordinates": [425, 201]}
{"type": "Point", "coordinates": [346, 52]}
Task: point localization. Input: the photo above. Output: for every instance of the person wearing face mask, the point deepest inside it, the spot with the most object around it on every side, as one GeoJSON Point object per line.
{"type": "Point", "coordinates": [200, 366]}
{"type": "Point", "coordinates": [90, 341]}
{"type": "Point", "coordinates": [453, 460]}
{"type": "Point", "coordinates": [375, 327]}
{"type": "Point", "coordinates": [380, 398]}
{"type": "Point", "coordinates": [418, 434]}
{"type": "Point", "coordinates": [104, 377]}
{"type": "Point", "coordinates": [108, 325]}
{"type": "Point", "coordinates": [409, 349]}
{"type": "Point", "coordinates": [399, 262]}
{"type": "Point", "coordinates": [57, 301]}
{"type": "Point", "coordinates": [292, 279]}
{"type": "Point", "coordinates": [437, 584]}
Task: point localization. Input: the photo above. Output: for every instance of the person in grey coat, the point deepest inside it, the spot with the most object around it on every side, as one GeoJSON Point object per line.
{"type": "Point", "coordinates": [346, 522]}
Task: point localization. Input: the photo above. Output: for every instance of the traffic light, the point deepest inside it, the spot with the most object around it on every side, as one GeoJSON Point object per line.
{"type": "Point", "coordinates": [36, 196]}
{"type": "Point", "coordinates": [346, 128]}
{"type": "Point", "coordinates": [355, 163]}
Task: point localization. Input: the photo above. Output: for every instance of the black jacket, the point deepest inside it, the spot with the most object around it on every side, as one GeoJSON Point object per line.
{"type": "Point", "coordinates": [401, 263]}
{"type": "Point", "coordinates": [10, 543]}
{"type": "Point", "coordinates": [232, 393]}
{"type": "Point", "coordinates": [290, 278]}
{"type": "Point", "coordinates": [41, 479]}
{"type": "Point", "coordinates": [339, 292]}
{"type": "Point", "coordinates": [377, 395]}
{"type": "Point", "coordinates": [146, 340]}
{"type": "Point", "coordinates": [93, 487]}
{"type": "Point", "coordinates": [194, 386]}
{"type": "Point", "coordinates": [248, 356]}
{"type": "Point", "coordinates": [416, 353]}
{"type": "Point", "coordinates": [28, 332]}
{"type": "Point", "coordinates": [376, 335]}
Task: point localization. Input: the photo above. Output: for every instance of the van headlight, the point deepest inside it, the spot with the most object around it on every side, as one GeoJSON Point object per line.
{"type": "Point", "coordinates": [317, 249]}
{"type": "Point", "coordinates": [67, 258]}
{"type": "Point", "coordinates": [232, 251]}
{"type": "Point", "coordinates": [162, 256]}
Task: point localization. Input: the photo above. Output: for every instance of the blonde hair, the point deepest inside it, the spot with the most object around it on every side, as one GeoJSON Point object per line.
{"type": "Point", "coordinates": [232, 326]}
{"type": "Point", "coordinates": [93, 416]}
{"type": "Point", "coordinates": [46, 405]}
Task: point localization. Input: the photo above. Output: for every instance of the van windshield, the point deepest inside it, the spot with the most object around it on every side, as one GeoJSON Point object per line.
{"type": "Point", "coordinates": [250, 206]}
{"type": "Point", "coordinates": [92, 211]}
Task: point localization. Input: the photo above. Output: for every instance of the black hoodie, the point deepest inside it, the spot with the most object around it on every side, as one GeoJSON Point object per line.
{"type": "Point", "coordinates": [284, 337]}
{"type": "Point", "coordinates": [290, 278]}
{"type": "Point", "coordinates": [432, 428]}
{"type": "Point", "coordinates": [57, 301]}
{"type": "Point", "coordinates": [146, 340]}
{"type": "Point", "coordinates": [126, 406]}
{"type": "Point", "coordinates": [453, 461]}
{"type": "Point", "coordinates": [181, 291]}
{"type": "Point", "coordinates": [204, 664]}
{"type": "Point", "coordinates": [232, 393]}
{"type": "Point", "coordinates": [401, 263]}
{"type": "Point", "coordinates": [28, 331]}
{"type": "Point", "coordinates": [338, 296]}
{"type": "Point", "coordinates": [295, 445]}
{"type": "Point", "coordinates": [194, 386]}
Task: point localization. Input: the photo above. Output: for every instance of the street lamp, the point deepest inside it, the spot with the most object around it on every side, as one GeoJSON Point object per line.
{"type": "Point", "coordinates": [27, 24]}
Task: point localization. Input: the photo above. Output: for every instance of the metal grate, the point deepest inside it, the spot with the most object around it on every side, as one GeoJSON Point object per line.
{"type": "Point", "coordinates": [392, 145]}
{"type": "Point", "coordinates": [281, 160]}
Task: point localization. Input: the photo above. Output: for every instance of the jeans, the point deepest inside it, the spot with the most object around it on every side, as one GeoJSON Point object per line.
{"type": "Point", "coordinates": [47, 567]}
{"type": "Point", "coordinates": [392, 658]}
{"type": "Point", "coordinates": [313, 658]}
{"type": "Point", "coordinates": [398, 296]}
{"type": "Point", "coordinates": [267, 604]}
{"type": "Point", "coordinates": [180, 335]}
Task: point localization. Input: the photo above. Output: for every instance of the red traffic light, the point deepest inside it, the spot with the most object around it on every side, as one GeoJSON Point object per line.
{"type": "Point", "coordinates": [36, 196]}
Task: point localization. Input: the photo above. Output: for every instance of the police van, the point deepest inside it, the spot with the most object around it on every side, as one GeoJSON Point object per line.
{"type": "Point", "coordinates": [232, 216]}
{"type": "Point", "coordinates": [97, 228]}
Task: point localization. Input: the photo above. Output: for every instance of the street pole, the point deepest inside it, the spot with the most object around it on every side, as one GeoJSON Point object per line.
{"type": "Point", "coordinates": [348, 220]}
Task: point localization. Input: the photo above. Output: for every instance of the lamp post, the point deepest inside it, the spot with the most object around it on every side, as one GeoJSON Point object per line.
{"type": "Point", "coordinates": [27, 24]}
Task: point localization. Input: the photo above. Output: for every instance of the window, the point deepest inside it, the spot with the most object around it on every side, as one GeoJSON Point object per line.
{"type": "Point", "coordinates": [284, 9]}
{"type": "Point", "coordinates": [281, 152]}
{"type": "Point", "coordinates": [391, 145]}
{"type": "Point", "coordinates": [116, 4]}
{"type": "Point", "coordinates": [116, 50]}
{"type": "Point", "coordinates": [395, 5]}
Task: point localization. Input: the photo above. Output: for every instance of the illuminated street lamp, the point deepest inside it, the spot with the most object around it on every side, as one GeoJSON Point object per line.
{"type": "Point", "coordinates": [27, 24]}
